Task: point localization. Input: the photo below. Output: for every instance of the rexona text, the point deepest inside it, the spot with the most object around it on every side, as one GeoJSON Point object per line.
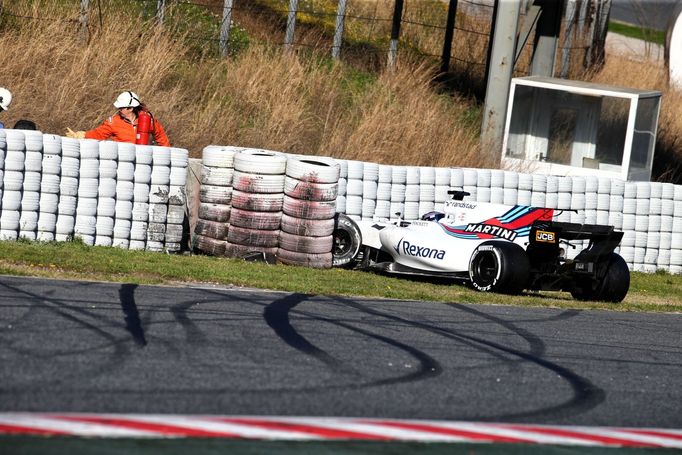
{"type": "Point", "coordinates": [408, 249]}
{"type": "Point", "coordinates": [497, 231]}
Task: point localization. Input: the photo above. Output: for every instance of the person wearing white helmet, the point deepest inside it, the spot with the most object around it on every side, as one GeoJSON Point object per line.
{"type": "Point", "coordinates": [5, 101]}
{"type": "Point", "coordinates": [122, 126]}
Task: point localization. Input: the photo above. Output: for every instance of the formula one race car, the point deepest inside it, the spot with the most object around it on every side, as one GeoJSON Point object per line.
{"type": "Point", "coordinates": [497, 248]}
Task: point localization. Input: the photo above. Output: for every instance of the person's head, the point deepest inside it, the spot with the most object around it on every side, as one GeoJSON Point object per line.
{"type": "Point", "coordinates": [128, 104]}
{"type": "Point", "coordinates": [5, 99]}
{"type": "Point", "coordinates": [25, 125]}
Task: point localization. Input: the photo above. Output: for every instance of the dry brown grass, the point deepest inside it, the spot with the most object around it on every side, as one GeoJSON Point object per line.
{"type": "Point", "coordinates": [262, 98]}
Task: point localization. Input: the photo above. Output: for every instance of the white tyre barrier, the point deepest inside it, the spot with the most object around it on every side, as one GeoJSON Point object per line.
{"type": "Point", "coordinates": [470, 177]}
{"type": "Point", "coordinates": [70, 167]}
{"type": "Point", "coordinates": [538, 199]}
{"type": "Point", "coordinates": [143, 174]}
{"type": "Point", "coordinates": [88, 188]}
{"type": "Point", "coordinates": [253, 237]}
{"type": "Point", "coordinates": [368, 208]}
{"type": "Point", "coordinates": [655, 205]}
{"type": "Point", "coordinates": [313, 169]}
{"type": "Point", "coordinates": [399, 175]}
{"type": "Point", "coordinates": [310, 191]}
{"type": "Point", "coordinates": [411, 193]}
{"type": "Point", "coordinates": [14, 160]}
{"type": "Point", "coordinates": [176, 214]}
{"type": "Point", "coordinates": [318, 210]}
{"type": "Point", "coordinates": [178, 176]}
{"type": "Point", "coordinates": [33, 162]}
{"type": "Point", "coordinates": [141, 192]}
{"type": "Point", "coordinates": [354, 205]}
{"type": "Point", "coordinates": [215, 194]}
{"type": "Point", "coordinates": [524, 197]}
{"type": "Point", "coordinates": [341, 204]}
{"type": "Point", "coordinates": [140, 212]}
{"type": "Point", "coordinates": [255, 220]}
{"type": "Point", "coordinates": [174, 233]}
{"type": "Point", "coordinates": [354, 187]}
{"type": "Point", "coordinates": [385, 173]}
{"type": "Point", "coordinates": [217, 176]}
{"type": "Point", "coordinates": [384, 191]}
{"type": "Point", "coordinates": [219, 156]}
{"type": "Point", "coordinates": [398, 192]}
{"type": "Point", "coordinates": [483, 194]}
{"type": "Point", "coordinates": [254, 161]}
{"type": "Point", "coordinates": [108, 150]}
{"type": "Point", "coordinates": [497, 195]}
{"type": "Point", "coordinates": [427, 176]}
{"type": "Point", "coordinates": [125, 190]}
{"type": "Point", "coordinates": [143, 155]}
{"type": "Point", "coordinates": [411, 211]}
{"type": "Point", "coordinates": [31, 181]}
{"type": "Point", "coordinates": [15, 140]}
{"type": "Point", "coordinates": [158, 194]}
{"type": "Point", "coordinates": [425, 207]}
{"type": "Point", "coordinates": [28, 221]}
{"type": "Point", "coordinates": [49, 184]}
{"type": "Point", "coordinates": [496, 179]}
{"type": "Point", "coordinates": [30, 201]}
{"type": "Point", "coordinates": [106, 187]}
{"type": "Point", "coordinates": [104, 227]}
{"type": "Point", "coordinates": [258, 183]}
{"type": "Point", "coordinates": [234, 250]}
{"type": "Point", "coordinates": [382, 210]}
{"type": "Point", "coordinates": [160, 175]}
{"type": "Point", "coordinates": [138, 231]}
{"type": "Point", "coordinates": [125, 171]}
{"type": "Point", "coordinates": [160, 156]}
{"type": "Point", "coordinates": [369, 189]}
{"type": "Point", "coordinates": [525, 182]}
{"type": "Point", "coordinates": [106, 206]}
{"type": "Point", "coordinates": [355, 169]}
{"type": "Point", "coordinates": [158, 213]}
{"type": "Point", "coordinates": [370, 172]}
{"type": "Point", "coordinates": [45, 236]}
{"type": "Point", "coordinates": [511, 196]}
{"type": "Point", "coordinates": [11, 200]}
{"type": "Point", "coordinates": [126, 152]}
{"type": "Point", "coordinates": [48, 202]}
{"type": "Point", "coordinates": [9, 219]}
{"type": "Point", "coordinates": [412, 175]}
{"type": "Point", "coordinates": [427, 193]}
{"type": "Point", "coordinates": [305, 244]}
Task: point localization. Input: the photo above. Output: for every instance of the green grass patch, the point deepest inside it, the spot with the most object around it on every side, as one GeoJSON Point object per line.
{"type": "Point", "coordinates": [73, 260]}
{"type": "Point", "coordinates": [631, 31]}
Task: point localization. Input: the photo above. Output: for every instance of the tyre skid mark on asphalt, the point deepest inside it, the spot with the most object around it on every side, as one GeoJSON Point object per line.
{"type": "Point", "coordinates": [328, 429]}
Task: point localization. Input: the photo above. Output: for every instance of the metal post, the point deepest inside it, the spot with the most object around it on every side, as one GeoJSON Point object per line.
{"type": "Point", "coordinates": [500, 71]}
{"type": "Point", "coordinates": [338, 33]}
{"type": "Point", "coordinates": [291, 25]}
{"type": "Point", "coordinates": [491, 39]}
{"type": "Point", "coordinates": [395, 33]}
{"type": "Point", "coordinates": [225, 27]}
{"type": "Point", "coordinates": [160, 11]}
{"type": "Point", "coordinates": [85, 6]}
{"type": "Point", "coordinates": [568, 40]}
{"type": "Point", "coordinates": [449, 33]}
{"type": "Point", "coordinates": [546, 39]}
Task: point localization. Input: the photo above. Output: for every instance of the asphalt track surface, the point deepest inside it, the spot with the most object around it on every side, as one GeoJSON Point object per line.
{"type": "Point", "coordinates": [103, 347]}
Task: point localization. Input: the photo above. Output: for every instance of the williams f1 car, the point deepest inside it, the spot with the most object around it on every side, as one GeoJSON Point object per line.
{"type": "Point", "coordinates": [497, 248]}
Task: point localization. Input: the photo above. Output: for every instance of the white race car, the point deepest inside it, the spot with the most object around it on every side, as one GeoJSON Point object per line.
{"type": "Point", "coordinates": [497, 248]}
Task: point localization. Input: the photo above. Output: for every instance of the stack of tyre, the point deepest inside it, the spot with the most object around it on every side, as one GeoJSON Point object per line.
{"type": "Point", "coordinates": [49, 187]}
{"type": "Point", "coordinates": [158, 198]}
{"type": "Point", "coordinates": [215, 197]}
{"type": "Point", "coordinates": [256, 202]}
{"type": "Point", "coordinates": [106, 194]}
{"type": "Point", "coordinates": [68, 189]}
{"type": "Point", "coordinates": [310, 191]}
{"type": "Point", "coordinates": [125, 191]}
{"type": "Point", "coordinates": [88, 191]}
{"type": "Point", "coordinates": [30, 197]}
{"type": "Point", "coordinates": [13, 183]}
{"type": "Point", "coordinates": [354, 189]}
{"type": "Point", "coordinates": [175, 221]}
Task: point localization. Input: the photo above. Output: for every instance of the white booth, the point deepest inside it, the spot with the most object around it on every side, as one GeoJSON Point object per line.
{"type": "Point", "coordinates": [566, 127]}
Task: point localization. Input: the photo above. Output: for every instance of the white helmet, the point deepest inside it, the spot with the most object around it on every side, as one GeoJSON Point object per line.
{"type": "Point", "coordinates": [5, 98]}
{"type": "Point", "coordinates": [127, 99]}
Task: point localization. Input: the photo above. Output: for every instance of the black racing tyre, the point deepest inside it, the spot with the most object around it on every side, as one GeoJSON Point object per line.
{"type": "Point", "coordinates": [498, 266]}
{"type": "Point", "coordinates": [347, 241]}
{"type": "Point", "coordinates": [612, 288]}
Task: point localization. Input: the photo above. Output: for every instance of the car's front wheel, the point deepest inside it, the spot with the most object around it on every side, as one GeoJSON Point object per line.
{"type": "Point", "coordinates": [347, 241]}
{"type": "Point", "coordinates": [498, 266]}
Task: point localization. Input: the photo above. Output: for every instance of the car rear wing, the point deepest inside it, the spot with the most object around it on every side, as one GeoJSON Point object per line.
{"type": "Point", "coordinates": [603, 239]}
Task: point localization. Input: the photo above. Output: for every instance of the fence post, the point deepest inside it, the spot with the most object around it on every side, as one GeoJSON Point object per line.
{"type": "Point", "coordinates": [449, 33]}
{"type": "Point", "coordinates": [546, 39]}
{"type": "Point", "coordinates": [395, 33]}
{"type": "Point", "coordinates": [291, 25]}
{"type": "Point", "coordinates": [570, 15]}
{"type": "Point", "coordinates": [85, 6]}
{"type": "Point", "coordinates": [160, 11]}
{"type": "Point", "coordinates": [338, 33]}
{"type": "Point", "coordinates": [225, 27]}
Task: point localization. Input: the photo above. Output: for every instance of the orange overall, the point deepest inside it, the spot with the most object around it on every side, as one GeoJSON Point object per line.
{"type": "Point", "coordinates": [120, 129]}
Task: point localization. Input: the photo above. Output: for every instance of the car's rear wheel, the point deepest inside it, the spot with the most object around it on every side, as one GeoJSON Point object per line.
{"type": "Point", "coordinates": [497, 266]}
{"type": "Point", "coordinates": [347, 241]}
{"type": "Point", "coordinates": [612, 288]}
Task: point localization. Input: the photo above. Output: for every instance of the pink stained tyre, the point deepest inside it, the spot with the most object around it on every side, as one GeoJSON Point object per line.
{"type": "Point", "coordinates": [253, 237]}
{"type": "Point", "coordinates": [255, 220]}
{"type": "Point", "coordinates": [234, 250]}
{"type": "Point", "coordinates": [302, 226]}
{"type": "Point", "coordinates": [305, 244]}
{"type": "Point", "coordinates": [209, 245]}
{"type": "Point", "coordinates": [257, 202]}
{"type": "Point", "coordinates": [258, 183]}
{"type": "Point", "coordinates": [213, 229]}
{"type": "Point", "coordinates": [318, 261]}
{"type": "Point", "coordinates": [311, 210]}
{"type": "Point", "coordinates": [310, 191]}
{"type": "Point", "coordinates": [214, 212]}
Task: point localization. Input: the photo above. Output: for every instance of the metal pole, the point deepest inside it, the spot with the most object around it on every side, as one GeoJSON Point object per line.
{"type": "Point", "coordinates": [225, 27]}
{"type": "Point", "coordinates": [568, 40]}
{"type": "Point", "coordinates": [546, 39]}
{"type": "Point", "coordinates": [449, 33]}
{"type": "Point", "coordinates": [291, 25]}
{"type": "Point", "coordinates": [85, 6]}
{"type": "Point", "coordinates": [500, 74]}
{"type": "Point", "coordinates": [338, 33]}
{"type": "Point", "coordinates": [395, 33]}
{"type": "Point", "coordinates": [491, 39]}
{"type": "Point", "coordinates": [160, 11]}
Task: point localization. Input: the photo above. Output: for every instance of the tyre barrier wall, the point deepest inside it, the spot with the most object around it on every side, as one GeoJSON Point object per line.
{"type": "Point", "coordinates": [107, 193]}
{"type": "Point", "coordinates": [267, 202]}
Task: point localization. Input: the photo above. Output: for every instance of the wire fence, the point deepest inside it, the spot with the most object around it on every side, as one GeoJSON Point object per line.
{"type": "Point", "coordinates": [374, 30]}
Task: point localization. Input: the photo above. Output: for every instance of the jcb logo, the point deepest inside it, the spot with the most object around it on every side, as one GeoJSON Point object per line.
{"type": "Point", "coordinates": [545, 236]}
